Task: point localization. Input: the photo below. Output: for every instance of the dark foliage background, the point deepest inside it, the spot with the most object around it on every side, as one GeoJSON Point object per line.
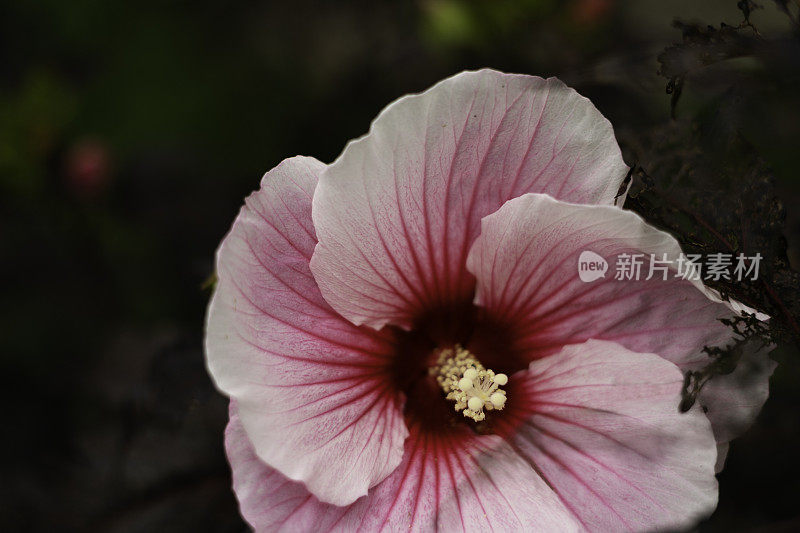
{"type": "Point", "coordinates": [130, 132]}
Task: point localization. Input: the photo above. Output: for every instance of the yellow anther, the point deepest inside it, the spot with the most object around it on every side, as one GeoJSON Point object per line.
{"type": "Point", "coordinates": [467, 383]}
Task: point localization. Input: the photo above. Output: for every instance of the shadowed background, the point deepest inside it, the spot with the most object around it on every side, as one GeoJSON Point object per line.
{"type": "Point", "coordinates": [130, 134]}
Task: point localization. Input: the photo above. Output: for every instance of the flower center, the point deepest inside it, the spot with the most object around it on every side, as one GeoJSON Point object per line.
{"type": "Point", "coordinates": [465, 381]}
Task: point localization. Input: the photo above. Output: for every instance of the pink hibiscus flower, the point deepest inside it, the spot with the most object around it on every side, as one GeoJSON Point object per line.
{"type": "Point", "coordinates": [407, 344]}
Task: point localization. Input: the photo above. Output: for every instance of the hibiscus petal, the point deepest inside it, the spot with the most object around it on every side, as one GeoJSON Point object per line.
{"type": "Point", "coordinates": [397, 212]}
{"type": "Point", "coordinates": [312, 388]}
{"type": "Point", "coordinates": [461, 482]}
{"type": "Point", "coordinates": [732, 401]}
{"type": "Point", "coordinates": [602, 426]}
{"type": "Point", "coordinates": [526, 263]}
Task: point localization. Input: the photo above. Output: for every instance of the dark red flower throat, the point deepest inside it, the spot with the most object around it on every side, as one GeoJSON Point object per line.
{"type": "Point", "coordinates": [417, 350]}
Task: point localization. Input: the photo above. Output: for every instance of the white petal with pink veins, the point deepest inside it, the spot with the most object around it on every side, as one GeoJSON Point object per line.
{"type": "Point", "coordinates": [311, 387]}
{"type": "Point", "coordinates": [526, 262]}
{"type": "Point", "coordinates": [601, 425]}
{"type": "Point", "coordinates": [461, 482]}
{"type": "Point", "coordinates": [397, 212]}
